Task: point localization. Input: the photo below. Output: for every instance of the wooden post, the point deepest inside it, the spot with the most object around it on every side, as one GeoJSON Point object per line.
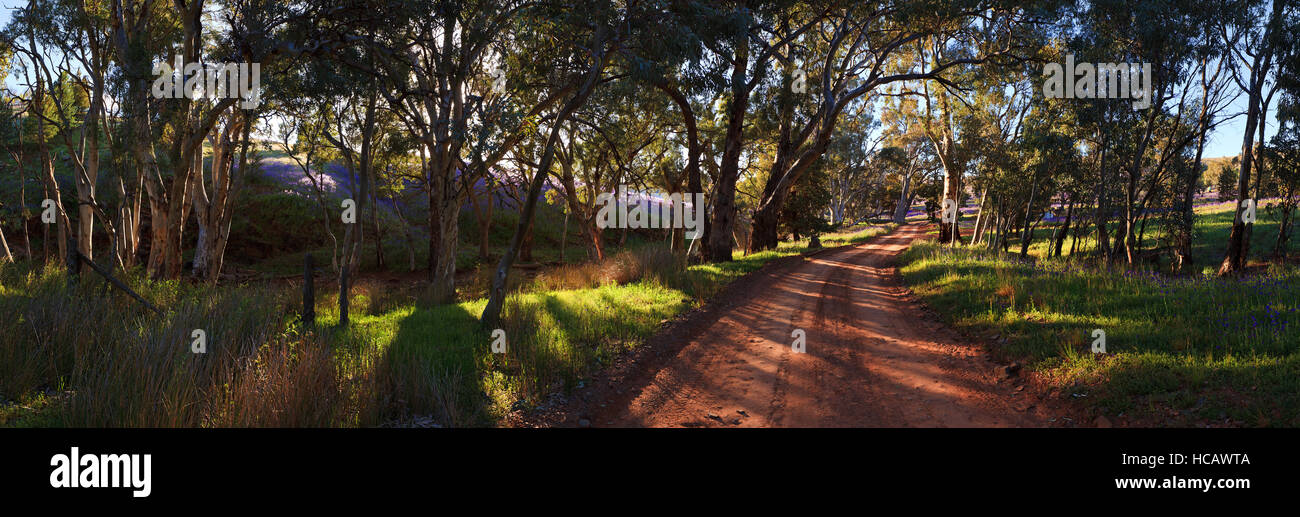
{"type": "Point", "coordinates": [308, 294]}
{"type": "Point", "coordinates": [74, 261]}
{"type": "Point", "coordinates": [564, 236]}
{"type": "Point", "coordinates": [343, 296]}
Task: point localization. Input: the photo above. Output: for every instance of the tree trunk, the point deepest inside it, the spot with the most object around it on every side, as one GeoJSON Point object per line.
{"type": "Point", "coordinates": [951, 232]}
{"type": "Point", "coordinates": [491, 316]}
{"type": "Point", "coordinates": [226, 196]}
{"type": "Point", "coordinates": [719, 247]}
{"type": "Point", "coordinates": [354, 235]}
{"type": "Point", "coordinates": [763, 233]}
{"type": "Point", "coordinates": [435, 226]}
{"type": "Point", "coordinates": [1064, 229]}
{"type": "Point", "coordinates": [1183, 251]}
{"type": "Point", "coordinates": [1235, 256]}
{"type": "Point", "coordinates": [1074, 239]}
{"type": "Point", "coordinates": [47, 174]}
{"type": "Point", "coordinates": [564, 235]}
{"type": "Point", "coordinates": [1233, 259]}
{"type": "Point", "coordinates": [4, 246]}
{"type": "Point", "coordinates": [22, 198]}
{"type": "Point", "coordinates": [1027, 234]}
{"type": "Point", "coordinates": [693, 150]}
{"type": "Point", "coordinates": [981, 219]}
{"type": "Point", "coordinates": [443, 241]}
{"type": "Point", "coordinates": [1260, 173]}
{"type": "Point", "coordinates": [904, 201]}
{"type": "Point", "coordinates": [209, 211]}
{"type": "Point", "coordinates": [1283, 229]}
{"type": "Point", "coordinates": [86, 184]}
{"type": "Point", "coordinates": [586, 215]}
{"type": "Point", "coordinates": [526, 247]}
{"type": "Point", "coordinates": [1100, 215]}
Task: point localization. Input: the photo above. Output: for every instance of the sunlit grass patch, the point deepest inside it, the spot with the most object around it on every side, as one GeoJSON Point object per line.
{"type": "Point", "coordinates": [1176, 346]}
{"type": "Point", "coordinates": [856, 234]}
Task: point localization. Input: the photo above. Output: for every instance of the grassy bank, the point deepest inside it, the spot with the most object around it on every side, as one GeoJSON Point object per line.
{"type": "Point", "coordinates": [1184, 351]}
{"type": "Point", "coordinates": [83, 355]}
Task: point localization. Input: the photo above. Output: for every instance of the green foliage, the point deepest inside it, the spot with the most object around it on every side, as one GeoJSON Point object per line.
{"type": "Point", "coordinates": [803, 214]}
{"type": "Point", "coordinates": [1226, 184]}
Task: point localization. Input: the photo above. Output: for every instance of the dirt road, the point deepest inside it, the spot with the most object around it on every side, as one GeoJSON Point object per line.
{"type": "Point", "coordinates": [872, 357]}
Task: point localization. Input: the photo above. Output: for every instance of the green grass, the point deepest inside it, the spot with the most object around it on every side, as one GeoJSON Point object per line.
{"type": "Point", "coordinates": [397, 362]}
{"type": "Point", "coordinates": [556, 338]}
{"type": "Point", "coordinates": [436, 362]}
{"type": "Point", "coordinates": [856, 234]}
{"type": "Point", "coordinates": [1185, 351]}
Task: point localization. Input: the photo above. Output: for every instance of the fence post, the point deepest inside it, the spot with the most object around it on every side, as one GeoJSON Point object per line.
{"type": "Point", "coordinates": [564, 236]}
{"type": "Point", "coordinates": [74, 262]}
{"type": "Point", "coordinates": [308, 294]}
{"type": "Point", "coordinates": [343, 296]}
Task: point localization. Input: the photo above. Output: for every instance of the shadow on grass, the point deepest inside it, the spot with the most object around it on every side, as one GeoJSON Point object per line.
{"type": "Point", "coordinates": [426, 368]}
{"type": "Point", "coordinates": [437, 362]}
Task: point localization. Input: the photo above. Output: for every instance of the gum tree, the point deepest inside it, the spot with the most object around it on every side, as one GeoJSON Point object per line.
{"type": "Point", "coordinates": [578, 64]}
{"type": "Point", "coordinates": [859, 50]}
{"type": "Point", "coordinates": [1254, 40]}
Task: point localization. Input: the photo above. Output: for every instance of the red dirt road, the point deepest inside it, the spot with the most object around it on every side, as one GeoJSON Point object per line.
{"type": "Point", "coordinates": [873, 358]}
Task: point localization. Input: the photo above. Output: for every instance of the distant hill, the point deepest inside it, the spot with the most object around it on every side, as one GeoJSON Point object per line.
{"type": "Point", "coordinates": [1210, 177]}
{"type": "Point", "coordinates": [1212, 164]}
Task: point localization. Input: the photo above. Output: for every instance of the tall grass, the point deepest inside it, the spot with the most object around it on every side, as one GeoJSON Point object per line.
{"type": "Point", "coordinates": [86, 355]}
{"type": "Point", "coordinates": [1203, 348]}
{"type": "Point", "coordinates": [110, 362]}
{"type": "Point", "coordinates": [648, 262]}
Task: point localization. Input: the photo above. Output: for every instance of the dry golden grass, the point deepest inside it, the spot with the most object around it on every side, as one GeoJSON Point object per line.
{"type": "Point", "coordinates": [647, 263]}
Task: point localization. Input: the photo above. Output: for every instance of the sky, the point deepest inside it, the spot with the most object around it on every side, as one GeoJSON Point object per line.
{"type": "Point", "coordinates": [1225, 141]}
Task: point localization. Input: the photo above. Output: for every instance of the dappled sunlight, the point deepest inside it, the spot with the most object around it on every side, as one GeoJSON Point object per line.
{"type": "Point", "coordinates": [438, 361]}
